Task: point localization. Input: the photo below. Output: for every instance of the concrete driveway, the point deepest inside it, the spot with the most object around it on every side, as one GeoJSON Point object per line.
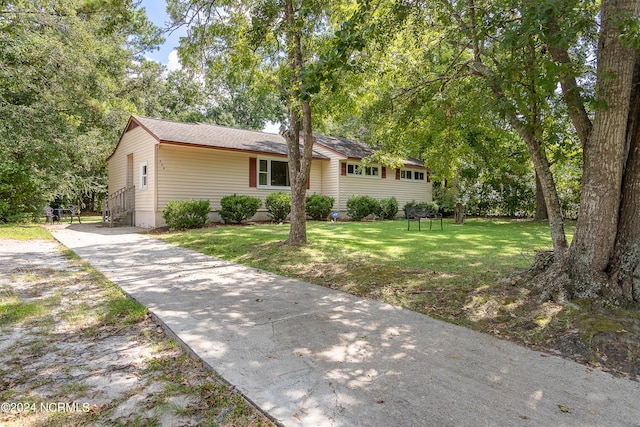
{"type": "Point", "coordinates": [312, 356]}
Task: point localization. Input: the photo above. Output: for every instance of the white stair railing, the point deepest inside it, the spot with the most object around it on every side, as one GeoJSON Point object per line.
{"type": "Point", "coordinates": [118, 205]}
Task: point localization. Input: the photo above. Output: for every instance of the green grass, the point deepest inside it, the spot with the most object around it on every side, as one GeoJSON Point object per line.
{"type": "Point", "coordinates": [443, 273]}
{"type": "Point", "coordinates": [13, 310]}
{"type": "Point", "coordinates": [123, 311]}
{"type": "Point", "coordinates": [478, 245]}
{"type": "Point", "coordinates": [24, 232]}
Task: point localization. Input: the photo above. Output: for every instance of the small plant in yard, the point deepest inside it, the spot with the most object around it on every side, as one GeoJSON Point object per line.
{"type": "Point", "coordinates": [186, 214]}
{"type": "Point", "coordinates": [388, 208]}
{"type": "Point", "coordinates": [12, 309]}
{"type": "Point", "coordinates": [360, 207]}
{"type": "Point", "coordinates": [238, 208]}
{"type": "Point", "coordinates": [319, 206]}
{"type": "Point", "coordinates": [278, 205]}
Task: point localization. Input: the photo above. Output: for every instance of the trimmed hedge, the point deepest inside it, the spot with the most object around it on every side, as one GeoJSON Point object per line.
{"type": "Point", "coordinates": [238, 208]}
{"type": "Point", "coordinates": [278, 205]}
{"type": "Point", "coordinates": [186, 214]}
{"type": "Point", "coordinates": [359, 207]}
{"type": "Point", "coordinates": [388, 208]}
{"type": "Point", "coordinates": [319, 206]}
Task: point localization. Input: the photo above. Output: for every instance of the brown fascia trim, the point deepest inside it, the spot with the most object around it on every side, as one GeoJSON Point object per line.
{"type": "Point", "coordinates": [347, 158]}
{"type": "Point", "coordinates": [237, 150]}
{"type": "Point", "coordinates": [404, 165]}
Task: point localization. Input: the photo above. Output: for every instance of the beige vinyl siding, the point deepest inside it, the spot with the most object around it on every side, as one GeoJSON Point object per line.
{"type": "Point", "coordinates": [210, 174]}
{"type": "Point", "coordinates": [383, 188]}
{"type": "Point", "coordinates": [142, 145]}
{"type": "Point", "coordinates": [117, 167]}
{"type": "Point", "coordinates": [330, 174]}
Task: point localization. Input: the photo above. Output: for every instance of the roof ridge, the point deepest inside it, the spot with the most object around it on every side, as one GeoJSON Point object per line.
{"type": "Point", "coordinates": [206, 124]}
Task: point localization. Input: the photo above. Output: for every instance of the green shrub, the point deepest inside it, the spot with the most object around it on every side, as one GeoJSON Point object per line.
{"type": "Point", "coordinates": [319, 206]}
{"type": "Point", "coordinates": [445, 198]}
{"type": "Point", "coordinates": [238, 208]}
{"type": "Point", "coordinates": [359, 207]}
{"type": "Point", "coordinates": [278, 205]}
{"type": "Point", "coordinates": [388, 208]}
{"type": "Point", "coordinates": [184, 214]}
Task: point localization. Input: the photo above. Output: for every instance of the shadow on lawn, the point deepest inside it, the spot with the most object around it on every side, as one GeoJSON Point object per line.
{"type": "Point", "coordinates": [464, 274]}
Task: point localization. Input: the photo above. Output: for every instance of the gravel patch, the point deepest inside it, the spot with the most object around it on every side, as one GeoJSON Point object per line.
{"type": "Point", "coordinates": [62, 363]}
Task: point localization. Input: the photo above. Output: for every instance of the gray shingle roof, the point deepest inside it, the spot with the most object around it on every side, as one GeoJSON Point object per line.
{"type": "Point", "coordinates": [209, 135]}
{"type": "Point", "coordinates": [346, 147]}
{"type": "Point", "coordinates": [355, 149]}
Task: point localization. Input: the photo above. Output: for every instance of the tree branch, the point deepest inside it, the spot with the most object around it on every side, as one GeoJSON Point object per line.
{"type": "Point", "coordinates": [570, 88]}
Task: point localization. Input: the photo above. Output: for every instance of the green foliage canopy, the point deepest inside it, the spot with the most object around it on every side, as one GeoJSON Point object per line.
{"type": "Point", "coordinates": [62, 65]}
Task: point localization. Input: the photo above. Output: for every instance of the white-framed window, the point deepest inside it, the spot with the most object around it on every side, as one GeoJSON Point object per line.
{"type": "Point", "coordinates": [354, 169]}
{"type": "Point", "coordinates": [273, 173]}
{"type": "Point", "coordinates": [144, 176]}
{"type": "Point", "coordinates": [411, 175]}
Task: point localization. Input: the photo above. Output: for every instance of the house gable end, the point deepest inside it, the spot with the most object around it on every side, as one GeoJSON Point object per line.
{"type": "Point", "coordinates": [132, 124]}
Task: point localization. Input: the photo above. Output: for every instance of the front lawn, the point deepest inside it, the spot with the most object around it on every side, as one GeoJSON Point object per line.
{"type": "Point", "coordinates": [478, 245]}
{"type": "Point", "coordinates": [463, 275]}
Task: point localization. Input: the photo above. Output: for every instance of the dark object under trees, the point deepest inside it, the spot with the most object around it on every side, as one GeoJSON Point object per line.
{"type": "Point", "coordinates": [419, 213]}
{"type": "Point", "coordinates": [459, 213]}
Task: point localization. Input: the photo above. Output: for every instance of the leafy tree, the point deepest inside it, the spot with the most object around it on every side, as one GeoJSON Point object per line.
{"type": "Point", "coordinates": [297, 49]}
{"type": "Point", "coordinates": [516, 54]}
{"type": "Point", "coordinates": [62, 65]}
{"type": "Point", "coordinates": [603, 254]}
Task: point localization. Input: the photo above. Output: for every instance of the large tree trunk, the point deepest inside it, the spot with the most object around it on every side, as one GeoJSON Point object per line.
{"type": "Point", "coordinates": [541, 206]}
{"type": "Point", "coordinates": [299, 114]}
{"type": "Point", "coordinates": [605, 154]}
{"type": "Point", "coordinates": [624, 269]}
{"type": "Point", "coordinates": [299, 168]}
